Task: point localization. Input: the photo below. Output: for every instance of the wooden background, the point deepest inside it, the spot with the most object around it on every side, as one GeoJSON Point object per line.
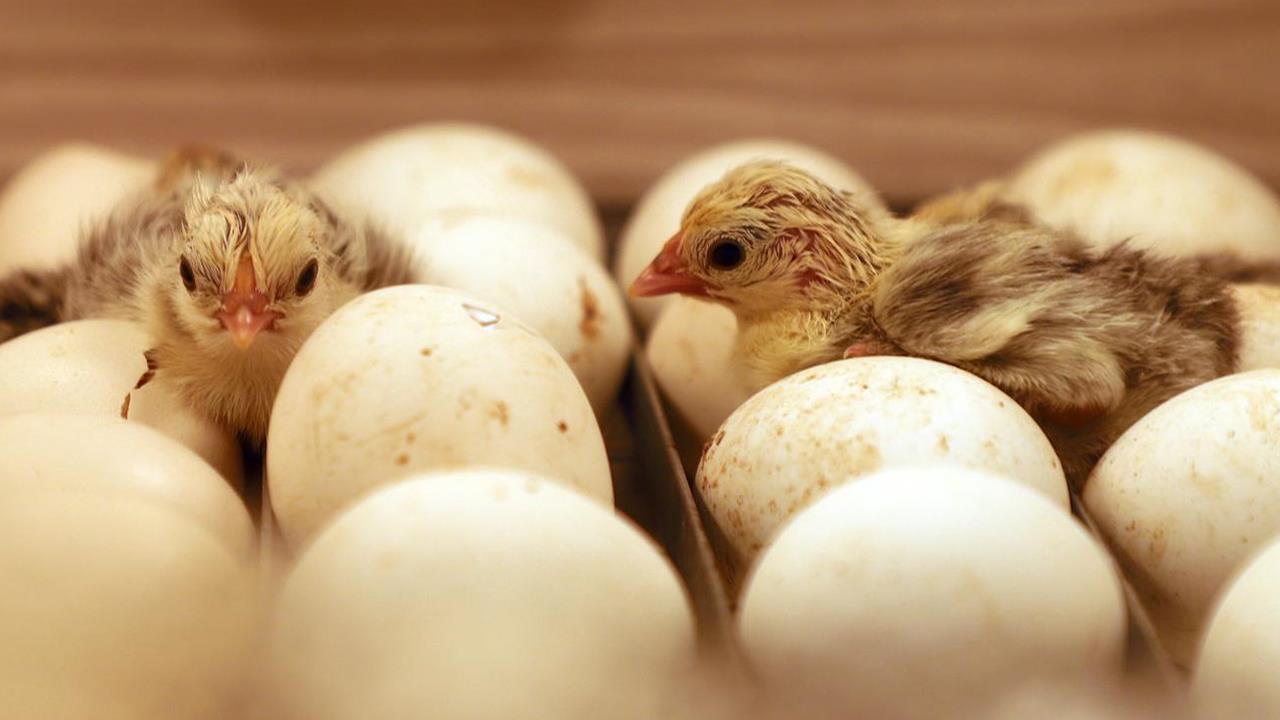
{"type": "Point", "coordinates": [919, 95]}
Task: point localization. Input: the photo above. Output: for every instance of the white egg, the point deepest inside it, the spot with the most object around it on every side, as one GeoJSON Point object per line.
{"type": "Point", "coordinates": [819, 428]}
{"type": "Point", "coordinates": [1259, 326]}
{"type": "Point", "coordinates": [927, 592]}
{"type": "Point", "coordinates": [115, 607]}
{"type": "Point", "coordinates": [657, 215]}
{"type": "Point", "coordinates": [1153, 190]}
{"type": "Point", "coordinates": [1188, 493]}
{"type": "Point", "coordinates": [441, 172]}
{"type": "Point", "coordinates": [1235, 676]}
{"type": "Point", "coordinates": [45, 206]}
{"type": "Point", "coordinates": [533, 271]}
{"type": "Point", "coordinates": [480, 594]}
{"type": "Point", "coordinates": [91, 366]}
{"type": "Point", "coordinates": [109, 456]}
{"type": "Point", "coordinates": [415, 378]}
{"type": "Point", "coordinates": [691, 352]}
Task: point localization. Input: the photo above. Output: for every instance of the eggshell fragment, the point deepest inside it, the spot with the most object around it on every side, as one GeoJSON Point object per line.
{"type": "Point", "coordinates": [439, 173]}
{"type": "Point", "coordinates": [691, 352]}
{"type": "Point", "coordinates": [1152, 190]}
{"type": "Point", "coordinates": [116, 607]}
{"type": "Point", "coordinates": [90, 367]}
{"type": "Point", "coordinates": [550, 285]}
{"type": "Point", "coordinates": [480, 594]}
{"type": "Point", "coordinates": [45, 206]}
{"type": "Point", "coordinates": [657, 216]}
{"type": "Point", "coordinates": [1188, 493]}
{"type": "Point", "coordinates": [930, 592]}
{"type": "Point", "coordinates": [810, 432]}
{"type": "Point", "coordinates": [1235, 676]}
{"type": "Point", "coordinates": [109, 456]}
{"type": "Point", "coordinates": [1259, 307]}
{"type": "Point", "coordinates": [414, 378]}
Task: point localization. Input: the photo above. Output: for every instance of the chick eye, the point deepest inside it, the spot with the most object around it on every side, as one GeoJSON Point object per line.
{"type": "Point", "coordinates": [188, 276]}
{"type": "Point", "coordinates": [307, 278]}
{"type": "Point", "coordinates": [726, 255]}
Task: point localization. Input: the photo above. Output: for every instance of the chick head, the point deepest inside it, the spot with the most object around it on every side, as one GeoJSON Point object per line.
{"type": "Point", "coordinates": [762, 238]}
{"type": "Point", "coordinates": [253, 271]}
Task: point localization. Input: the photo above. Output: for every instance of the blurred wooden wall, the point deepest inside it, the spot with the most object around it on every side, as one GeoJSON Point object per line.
{"type": "Point", "coordinates": [920, 95]}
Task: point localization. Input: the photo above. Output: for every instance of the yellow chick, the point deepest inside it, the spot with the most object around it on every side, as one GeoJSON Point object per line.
{"type": "Point", "coordinates": [1086, 341]}
{"type": "Point", "coordinates": [230, 268]}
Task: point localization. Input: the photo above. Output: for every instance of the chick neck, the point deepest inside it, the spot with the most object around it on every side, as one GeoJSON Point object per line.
{"type": "Point", "coordinates": [844, 255]}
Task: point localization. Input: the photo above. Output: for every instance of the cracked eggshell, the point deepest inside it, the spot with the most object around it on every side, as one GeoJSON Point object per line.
{"type": "Point", "coordinates": [116, 607]}
{"type": "Point", "coordinates": [1188, 493]}
{"type": "Point", "coordinates": [924, 592]}
{"type": "Point", "coordinates": [414, 378]}
{"type": "Point", "coordinates": [1259, 307]}
{"type": "Point", "coordinates": [551, 285]}
{"type": "Point", "coordinates": [44, 206]}
{"type": "Point", "coordinates": [822, 427]}
{"type": "Point", "coordinates": [1153, 190]}
{"type": "Point", "coordinates": [90, 366]}
{"type": "Point", "coordinates": [437, 173]}
{"type": "Point", "coordinates": [1235, 676]}
{"type": "Point", "coordinates": [657, 215]}
{"type": "Point", "coordinates": [112, 457]}
{"type": "Point", "coordinates": [691, 352]}
{"type": "Point", "coordinates": [480, 593]}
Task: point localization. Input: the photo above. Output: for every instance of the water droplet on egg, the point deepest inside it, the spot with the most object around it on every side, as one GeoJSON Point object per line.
{"type": "Point", "coordinates": [482, 316]}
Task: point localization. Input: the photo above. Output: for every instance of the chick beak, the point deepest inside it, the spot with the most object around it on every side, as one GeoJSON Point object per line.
{"type": "Point", "coordinates": [244, 310]}
{"type": "Point", "coordinates": [667, 274]}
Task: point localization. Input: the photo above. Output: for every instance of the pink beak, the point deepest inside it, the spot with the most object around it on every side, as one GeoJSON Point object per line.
{"type": "Point", "coordinates": [244, 310]}
{"type": "Point", "coordinates": [667, 274]}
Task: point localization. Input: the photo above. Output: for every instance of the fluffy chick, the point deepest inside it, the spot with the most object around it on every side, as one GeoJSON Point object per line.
{"type": "Point", "coordinates": [230, 268]}
{"type": "Point", "coordinates": [1086, 341]}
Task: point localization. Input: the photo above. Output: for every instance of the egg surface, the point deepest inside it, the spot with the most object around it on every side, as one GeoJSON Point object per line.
{"type": "Point", "coordinates": [800, 437]}
{"type": "Point", "coordinates": [91, 367]}
{"type": "Point", "coordinates": [1153, 191]}
{"type": "Point", "coordinates": [929, 592]}
{"type": "Point", "coordinates": [480, 594]}
{"type": "Point", "coordinates": [439, 173]}
{"type": "Point", "coordinates": [1188, 493]}
{"type": "Point", "coordinates": [552, 286]}
{"type": "Point", "coordinates": [44, 207]}
{"type": "Point", "coordinates": [414, 378]}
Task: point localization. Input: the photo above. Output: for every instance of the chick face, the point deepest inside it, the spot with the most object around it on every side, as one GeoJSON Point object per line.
{"type": "Point", "coordinates": [251, 271]}
{"type": "Point", "coordinates": [761, 239]}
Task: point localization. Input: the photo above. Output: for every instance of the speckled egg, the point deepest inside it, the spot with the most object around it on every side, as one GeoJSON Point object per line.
{"type": "Point", "coordinates": [927, 592]}
{"type": "Point", "coordinates": [414, 378]}
{"type": "Point", "coordinates": [437, 173]}
{"type": "Point", "coordinates": [1235, 676]}
{"type": "Point", "coordinates": [114, 606]}
{"type": "Point", "coordinates": [480, 594]}
{"type": "Point", "coordinates": [657, 215]}
{"type": "Point", "coordinates": [691, 352]}
{"type": "Point", "coordinates": [534, 272]}
{"type": "Point", "coordinates": [44, 206]}
{"type": "Point", "coordinates": [1153, 190]}
{"type": "Point", "coordinates": [109, 456]}
{"type": "Point", "coordinates": [801, 436]}
{"type": "Point", "coordinates": [1188, 493]}
{"type": "Point", "coordinates": [92, 366]}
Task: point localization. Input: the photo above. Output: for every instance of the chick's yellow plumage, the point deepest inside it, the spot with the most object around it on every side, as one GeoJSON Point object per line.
{"type": "Point", "coordinates": [230, 268]}
{"type": "Point", "coordinates": [1086, 341]}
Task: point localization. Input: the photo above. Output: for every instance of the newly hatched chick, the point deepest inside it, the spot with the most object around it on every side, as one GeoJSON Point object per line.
{"type": "Point", "coordinates": [230, 269]}
{"type": "Point", "coordinates": [1086, 341]}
